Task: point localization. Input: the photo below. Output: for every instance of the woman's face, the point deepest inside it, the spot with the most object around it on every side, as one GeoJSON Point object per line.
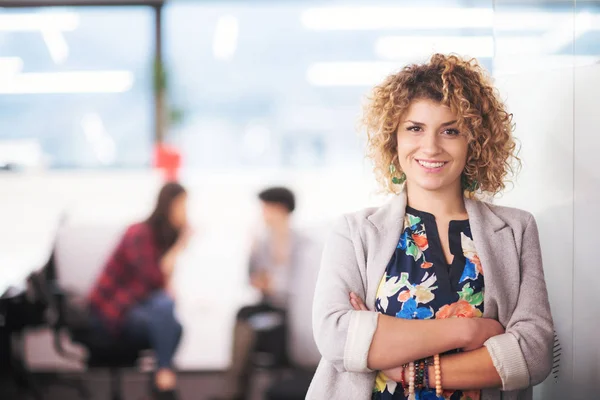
{"type": "Point", "coordinates": [431, 150]}
{"type": "Point", "coordinates": [178, 212]}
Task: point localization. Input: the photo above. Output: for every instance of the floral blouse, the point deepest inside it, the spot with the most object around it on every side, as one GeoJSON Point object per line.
{"type": "Point", "coordinates": [419, 284]}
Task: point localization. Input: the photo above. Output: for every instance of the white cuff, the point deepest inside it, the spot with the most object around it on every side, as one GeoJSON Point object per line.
{"type": "Point", "coordinates": [361, 329]}
{"type": "Point", "coordinates": [509, 361]}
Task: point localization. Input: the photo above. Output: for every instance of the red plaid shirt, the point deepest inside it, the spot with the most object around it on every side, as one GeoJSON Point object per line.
{"type": "Point", "coordinates": [130, 276]}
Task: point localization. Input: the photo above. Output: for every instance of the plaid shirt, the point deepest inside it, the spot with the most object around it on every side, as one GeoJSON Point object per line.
{"type": "Point", "coordinates": [130, 276]}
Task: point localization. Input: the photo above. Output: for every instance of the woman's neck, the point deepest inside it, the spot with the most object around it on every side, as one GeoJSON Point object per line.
{"type": "Point", "coordinates": [441, 203]}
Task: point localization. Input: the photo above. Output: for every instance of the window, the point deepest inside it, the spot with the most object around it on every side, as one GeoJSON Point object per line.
{"type": "Point", "coordinates": [272, 85]}
{"type": "Point", "coordinates": [76, 87]}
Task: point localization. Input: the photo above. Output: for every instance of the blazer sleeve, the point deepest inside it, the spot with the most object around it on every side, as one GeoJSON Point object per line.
{"type": "Point", "coordinates": [343, 335]}
{"type": "Point", "coordinates": [523, 354]}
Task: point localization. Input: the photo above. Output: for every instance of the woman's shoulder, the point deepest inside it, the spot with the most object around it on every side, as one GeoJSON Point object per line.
{"type": "Point", "coordinates": [356, 225]}
{"type": "Point", "coordinates": [512, 216]}
{"type": "Point", "coordinates": [357, 219]}
{"type": "Point", "coordinates": [138, 229]}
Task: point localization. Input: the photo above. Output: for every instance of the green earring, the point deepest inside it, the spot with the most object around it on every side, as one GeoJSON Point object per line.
{"type": "Point", "coordinates": [396, 180]}
{"type": "Point", "coordinates": [469, 186]}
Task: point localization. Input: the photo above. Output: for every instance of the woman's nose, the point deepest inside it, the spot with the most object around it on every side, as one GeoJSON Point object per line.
{"type": "Point", "coordinates": [430, 143]}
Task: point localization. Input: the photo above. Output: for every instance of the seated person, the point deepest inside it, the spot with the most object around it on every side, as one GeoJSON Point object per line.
{"type": "Point", "coordinates": [132, 299]}
{"type": "Point", "coordinates": [273, 258]}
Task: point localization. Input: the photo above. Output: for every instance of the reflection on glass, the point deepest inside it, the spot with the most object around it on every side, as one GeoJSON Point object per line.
{"type": "Point", "coordinates": [75, 87]}
{"type": "Point", "coordinates": [301, 71]}
{"type": "Point", "coordinates": [538, 37]}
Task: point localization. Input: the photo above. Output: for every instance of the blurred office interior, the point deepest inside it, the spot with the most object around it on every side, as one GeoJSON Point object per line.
{"type": "Point", "coordinates": [101, 100]}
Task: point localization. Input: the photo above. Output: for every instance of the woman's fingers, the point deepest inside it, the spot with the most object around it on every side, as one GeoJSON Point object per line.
{"type": "Point", "coordinates": [357, 302]}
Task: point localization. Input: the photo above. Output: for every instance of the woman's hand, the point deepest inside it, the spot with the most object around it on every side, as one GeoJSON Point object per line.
{"type": "Point", "coordinates": [480, 330]}
{"type": "Point", "coordinates": [261, 281]}
{"type": "Point", "coordinates": [357, 303]}
{"type": "Point", "coordinates": [169, 259]}
{"type": "Point", "coordinates": [183, 239]}
{"type": "Point", "coordinates": [395, 374]}
{"type": "Point", "coordinates": [477, 330]}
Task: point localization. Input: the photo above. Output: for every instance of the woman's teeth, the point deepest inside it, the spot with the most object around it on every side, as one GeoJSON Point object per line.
{"type": "Point", "coordinates": [427, 164]}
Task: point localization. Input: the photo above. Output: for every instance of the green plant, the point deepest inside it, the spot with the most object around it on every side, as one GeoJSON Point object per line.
{"type": "Point", "coordinates": [173, 115]}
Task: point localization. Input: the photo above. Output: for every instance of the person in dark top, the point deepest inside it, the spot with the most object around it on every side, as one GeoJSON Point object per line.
{"type": "Point", "coordinates": [132, 299]}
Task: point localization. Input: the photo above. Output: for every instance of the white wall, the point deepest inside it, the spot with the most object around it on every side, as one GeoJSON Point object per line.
{"type": "Point", "coordinates": [556, 115]}
{"type": "Point", "coordinates": [542, 106]}
{"type": "Point", "coordinates": [586, 279]}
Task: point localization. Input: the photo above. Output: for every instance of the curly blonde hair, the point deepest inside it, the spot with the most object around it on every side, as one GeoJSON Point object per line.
{"type": "Point", "coordinates": [461, 85]}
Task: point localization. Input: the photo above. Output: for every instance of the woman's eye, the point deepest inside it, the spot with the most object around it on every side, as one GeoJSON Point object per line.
{"type": "Point", "coordinates": [451, 132]}
{"type": "Point", "coordinates": [414, 128]}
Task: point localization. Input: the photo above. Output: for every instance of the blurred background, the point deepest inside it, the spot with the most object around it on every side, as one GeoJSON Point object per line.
{"type": "Point", "coordinates": [101, 101]}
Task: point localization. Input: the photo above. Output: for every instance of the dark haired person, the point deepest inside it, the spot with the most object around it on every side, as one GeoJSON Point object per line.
{"type": "Point", "coordinates": [131, 299]}
{"type": "Point", "coordinates": [273, 258]}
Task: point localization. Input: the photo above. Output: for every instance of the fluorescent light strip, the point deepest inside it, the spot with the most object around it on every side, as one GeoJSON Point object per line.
{"type": "Point", "coordinates": [567, 32]}
{"type": "Point", "coordinates": [541, 21]}
{"type": "Point", "coordinates": [373, 18]}
{"type": "Point", "coordinates": [10, 66]}
{"type": "Point", "coordinates": [561, 35]}
{"type": "Point", "coordinates": [349, 73]}
{"type": "Point", "coordinates": [226, 37]}
{"type": "Point", "coordinates": [328, 74]}
{"type": "Point", "coordinates": [68, 82]}
{"type": "Point", "coordinates": [403, 47]}
{"type": "Point", "coordinates": [377, 18]}
{"type": "Point", "coordinates": [521, 65]}
{"type": "Point", "coordinates": [63, 22]}
{"type": "Point", "coordinates": [528, 20]}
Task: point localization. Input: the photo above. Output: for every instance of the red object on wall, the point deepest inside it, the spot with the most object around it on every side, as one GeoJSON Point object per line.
{"type": "Point", "coordinates": [168, 159]}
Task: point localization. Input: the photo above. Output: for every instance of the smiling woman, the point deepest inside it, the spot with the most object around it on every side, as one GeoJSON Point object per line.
{"type": "Point", "coordinates": [413, 299]}
{"type": "Point", "coordinates": [473, 115]}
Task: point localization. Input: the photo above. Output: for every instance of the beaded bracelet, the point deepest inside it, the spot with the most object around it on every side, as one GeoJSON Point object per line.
{"type": "Point", "coordinates": [421, 374]}
{"type": "Point", "coordinates": [438, 375]}
{"type": "Point", "coordinates": [417, 375]}
{"type": "Point", "coordinates": [402, 377]}
{"type": "Point", "coordinates": [411, 378]}
{"type": "Point", "coordinates": [427, 364]}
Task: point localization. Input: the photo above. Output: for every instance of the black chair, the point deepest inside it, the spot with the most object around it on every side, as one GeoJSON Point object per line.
{"type": "Point", "coordinates": [66, 313]}
{"type": "Point", "coordinates": [294, 386]}
{"type": "Point", "coordinates": [288, 381]}
{"type": "Point", "coordinates": [17, 314]}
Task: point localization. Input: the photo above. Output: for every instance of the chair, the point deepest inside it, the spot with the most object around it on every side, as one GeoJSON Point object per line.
{"type": "Point", "coordinates": [66, 309]}
{"type": "Point", "coordinates": [270, 347]}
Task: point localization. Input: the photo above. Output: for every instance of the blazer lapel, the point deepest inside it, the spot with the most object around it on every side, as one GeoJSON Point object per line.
{"type": "Point", "coordinates": [388, 221]}
{"type": "Point", "coordinates": [495, 246]}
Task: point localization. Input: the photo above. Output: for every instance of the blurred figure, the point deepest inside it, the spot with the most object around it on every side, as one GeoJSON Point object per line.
{"type": "Point", "coordinates": [272, 262]}
{"type": "Point", "coordinates": [133, 299]}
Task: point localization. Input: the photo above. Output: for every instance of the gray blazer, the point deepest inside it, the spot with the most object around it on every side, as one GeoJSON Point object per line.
{"type": "Point", "coordinates": [355, 258]}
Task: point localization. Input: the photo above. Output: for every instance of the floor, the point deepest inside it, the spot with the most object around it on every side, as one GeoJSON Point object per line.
{"type": "Point", "coordinates": [192, 386]}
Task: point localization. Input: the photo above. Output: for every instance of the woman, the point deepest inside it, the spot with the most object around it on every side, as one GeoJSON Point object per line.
{"type": "Point", "coordinates": [394, 279]}
{"type": "Point", "coordinates": [132, 300]}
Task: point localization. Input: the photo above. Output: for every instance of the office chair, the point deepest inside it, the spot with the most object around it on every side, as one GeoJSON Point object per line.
{"type": "Point", "coordinates": [66, 312]}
